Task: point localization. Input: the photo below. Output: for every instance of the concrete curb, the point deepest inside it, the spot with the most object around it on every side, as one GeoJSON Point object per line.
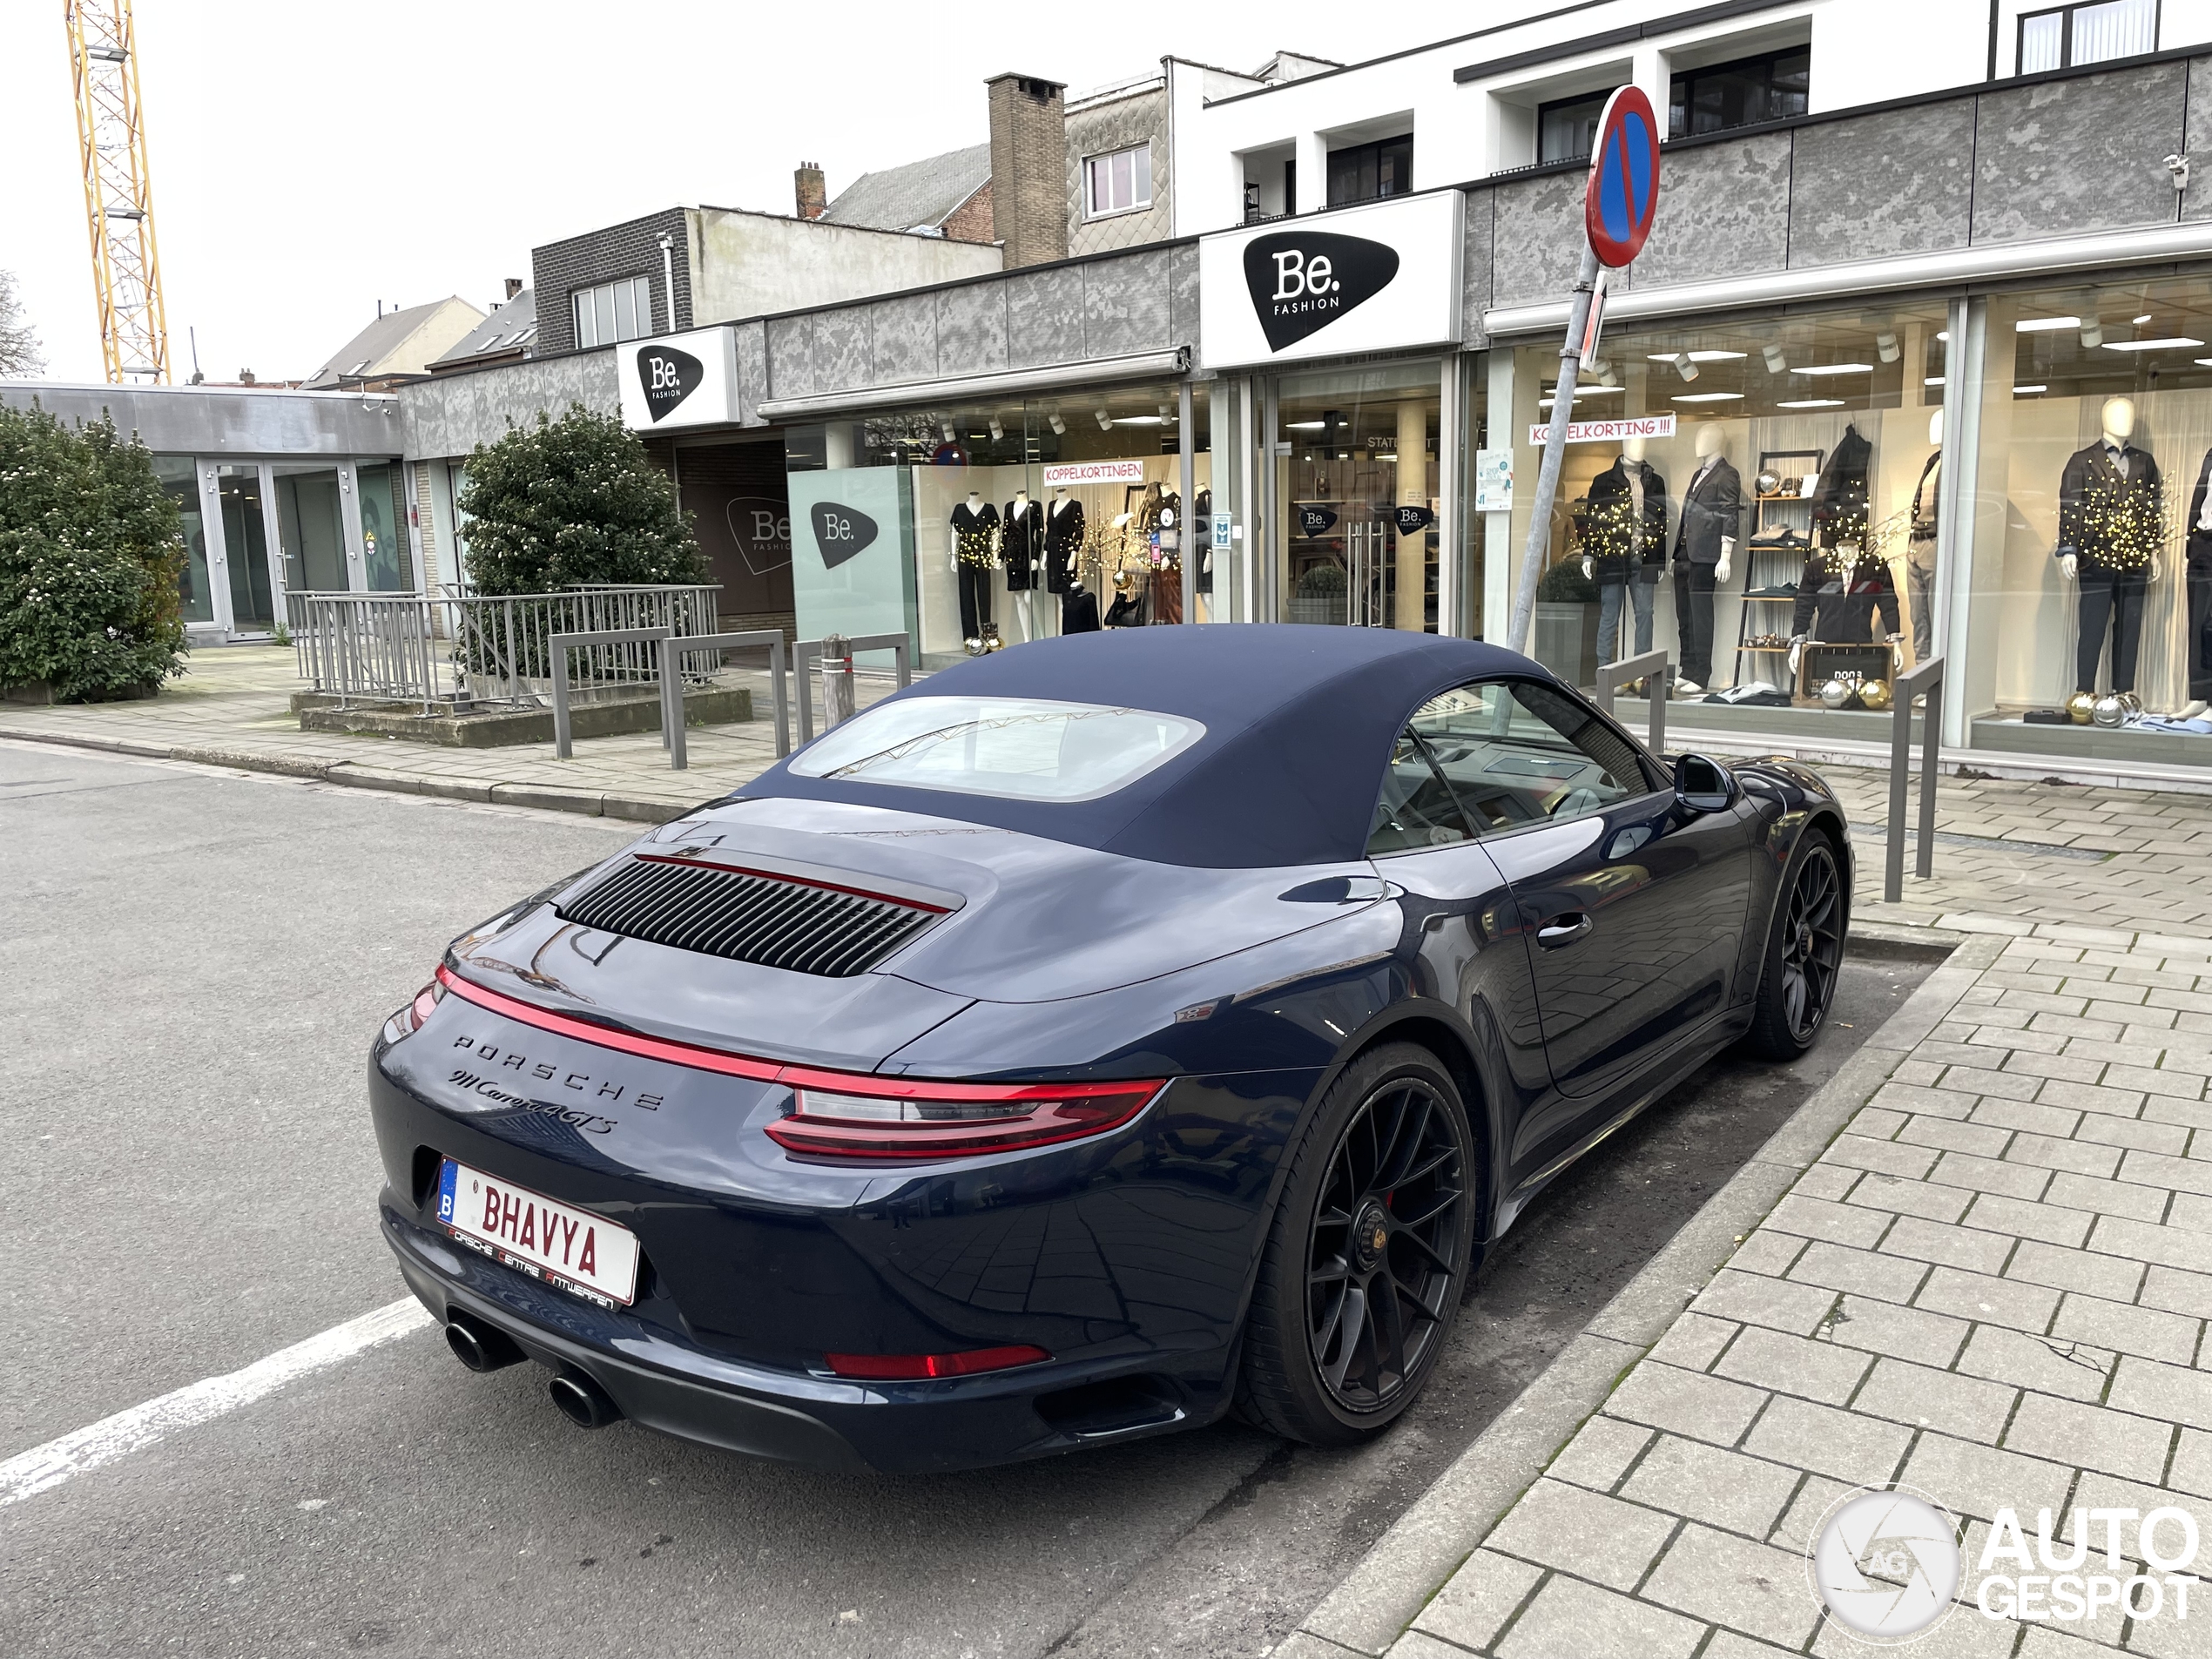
{"type": "Point", "coordinates": [1382, 1595]}
{"type": "Point", "coordinates": [639, 809]}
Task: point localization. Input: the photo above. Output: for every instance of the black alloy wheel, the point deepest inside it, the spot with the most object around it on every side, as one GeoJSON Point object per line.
{"type": "Point", "coordinates": [1369, 1254]}
{"type": "Point", "coordinates": [1381, 1254]}
{"type": "Point", "coordinates": [1805, 956]}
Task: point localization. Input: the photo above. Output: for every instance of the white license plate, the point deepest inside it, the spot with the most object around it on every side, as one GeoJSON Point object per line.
{"type": "Point", "coordinates": [567, 1247]}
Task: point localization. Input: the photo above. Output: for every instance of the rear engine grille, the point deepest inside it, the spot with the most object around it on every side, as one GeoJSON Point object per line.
{"type": "Point", "coordinates": [749, 916]}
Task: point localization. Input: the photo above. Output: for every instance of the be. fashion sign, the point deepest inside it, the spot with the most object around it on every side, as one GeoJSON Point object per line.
{"type": "Point", "coordinates": [1377, 278]}
{"type": "Point", "coordinates": [680, 380]}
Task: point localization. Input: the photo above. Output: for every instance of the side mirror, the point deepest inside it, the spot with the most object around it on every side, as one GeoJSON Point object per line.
{"type": "Point", "coordinates": [1705, 785]}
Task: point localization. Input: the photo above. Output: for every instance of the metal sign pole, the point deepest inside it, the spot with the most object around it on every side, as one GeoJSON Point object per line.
{"type": "Point", "coordinates": [1540, 512]}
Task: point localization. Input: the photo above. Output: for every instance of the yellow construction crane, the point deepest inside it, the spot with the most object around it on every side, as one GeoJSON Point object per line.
{"type": "Point", "coordinates": [119, 192]}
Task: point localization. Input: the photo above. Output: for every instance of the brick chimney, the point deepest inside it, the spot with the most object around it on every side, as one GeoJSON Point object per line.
{"type": "Point", "coordinates": [1028, 168]}
{"type": "Point", "coordinates": [513, 286]}
{"type": "Point", "coordinates": [812, 189]}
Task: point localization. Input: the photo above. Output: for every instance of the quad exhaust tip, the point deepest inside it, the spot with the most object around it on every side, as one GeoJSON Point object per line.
{"type": "Point", "coordinates": [582, 1400]}
{"type": "Point", "coordinates": [480, 1346]}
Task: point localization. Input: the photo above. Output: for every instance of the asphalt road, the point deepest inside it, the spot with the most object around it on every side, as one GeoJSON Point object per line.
{"type": "Point", "coordinates": [194, 963]}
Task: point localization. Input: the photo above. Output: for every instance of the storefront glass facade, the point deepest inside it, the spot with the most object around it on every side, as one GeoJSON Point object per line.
{"type": "Point", "coordinates": [1754, 496]}
{"type": "Point", "coordinates": [991, 523]}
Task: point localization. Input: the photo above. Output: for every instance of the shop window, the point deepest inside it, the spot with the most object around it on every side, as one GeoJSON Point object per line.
{"type": "Point", "coordinates": [1751, 90]}
{"type": "Point", "coordinates": [1358, 497]}
{"type": "Point", "coordinates": [2066, 36]}
{"type": "Point", "coordinates": [614, 311]}
{"type": "Point", "coordinates": [1367, 172]}
{"type": "Point", "coordinates": [179, 477]}
{"type": "Point", "coordinates": [1567, 127]}
{"type": "Point", "coordinates": [1120, 182]}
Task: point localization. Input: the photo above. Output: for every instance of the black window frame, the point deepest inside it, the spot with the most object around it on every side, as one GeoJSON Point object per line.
{"type": "Point", "coordinates": [1682, 92]}
{"type": "Point", "coordinates": [1546, 108]}
{"type": "Point", "coordinates": [1397, 152]}
{"type": "Point", "coordinates": [2064, 14]}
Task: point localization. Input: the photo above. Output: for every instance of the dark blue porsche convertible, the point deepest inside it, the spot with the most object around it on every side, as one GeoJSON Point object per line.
{"type": "Point", "coordinates": [1095, 1039]}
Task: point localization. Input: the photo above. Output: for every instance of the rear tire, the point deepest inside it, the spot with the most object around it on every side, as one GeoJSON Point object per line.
{"type": "Point", "coordinates": [1805, 952]}
{"type": "Point", "coordinates": [1367, 1257]}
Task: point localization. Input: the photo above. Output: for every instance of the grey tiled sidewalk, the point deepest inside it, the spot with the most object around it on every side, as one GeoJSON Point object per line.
{"type": "Point", "coordinates": [1991, 1285]}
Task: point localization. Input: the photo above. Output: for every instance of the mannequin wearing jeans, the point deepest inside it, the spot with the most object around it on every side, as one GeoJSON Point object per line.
{"type": "Point", "coordinates": [2110, 530]}
{"type": "Point", "coordinates": [1622, 528]}
{"type": "Point", "coordinates": [1920, 545]}
{"type": "Point", "coordinates": [1712, 513]}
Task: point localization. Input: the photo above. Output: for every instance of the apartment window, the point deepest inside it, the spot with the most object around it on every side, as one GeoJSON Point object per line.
{"type": "Point", "coordinates": [1766, 88]}
{"type": "Point", "coordinates": [1366, 172]}
{"type": "Point", "coordinates": [614, 311]}
{"type": "Point", "coordinates": [1567, 127]}
{"type": "Point", "coordinates": [2066, 36]}
{"type": "Point", "coordinates": [1119, 182]}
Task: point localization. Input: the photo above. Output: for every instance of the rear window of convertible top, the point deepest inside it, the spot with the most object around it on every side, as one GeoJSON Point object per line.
{"type": "Point", "coordinates": [1014, 748]}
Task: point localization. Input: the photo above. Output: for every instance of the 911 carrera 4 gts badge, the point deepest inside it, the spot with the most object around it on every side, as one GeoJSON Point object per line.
{"type": "Point", "coordinates": [494, 1073]}
{"type": "Point", "coordinates": [1301, 281]}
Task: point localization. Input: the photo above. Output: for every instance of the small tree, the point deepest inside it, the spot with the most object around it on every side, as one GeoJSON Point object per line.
{"type": "Point", "coordinates": [19, 353]}
{"type": "Point", "coordinates": [90, 551]}
{"type": "Point", "coordinates": [573, 500]}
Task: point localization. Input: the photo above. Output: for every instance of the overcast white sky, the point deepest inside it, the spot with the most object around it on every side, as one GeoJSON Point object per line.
{"type": "Point", "coordinates": [311, 158]}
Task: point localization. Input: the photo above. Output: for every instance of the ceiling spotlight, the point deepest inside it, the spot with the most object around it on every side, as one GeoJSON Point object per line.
{"type": "Point", "coordinates": [2092, 333]}
{"type": "Point", "coordinates": [1684, 367]}
{"type": "Point", "coordinates": [1887, 346]}
{"type": "Point", "coordinates": [1167, 413]}
{"type": "Point", "coordinates": [949, 433]}
{"type": "Point", "coordinates": [1776, 362]}
{"type": "Point", "coordinates": [1058, 426]}
{"type": "Point", "coordinates": [1105, 421]}
{"type": "Point", "coordinates": [997, 431]}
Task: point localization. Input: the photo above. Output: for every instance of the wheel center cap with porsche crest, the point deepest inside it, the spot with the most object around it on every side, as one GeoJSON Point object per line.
{"type": "Point", "coordinates": [1370, 1234]}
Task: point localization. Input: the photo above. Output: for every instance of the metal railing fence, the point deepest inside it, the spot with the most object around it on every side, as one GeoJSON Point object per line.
{"type": "Point", "coordinates": [459, 649]}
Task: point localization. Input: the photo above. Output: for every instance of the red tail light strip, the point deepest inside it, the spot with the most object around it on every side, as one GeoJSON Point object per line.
{"type": "Point", "coordinates": [903, 1367]}
{"type": "Point", "coordinates": [1036, 1114]}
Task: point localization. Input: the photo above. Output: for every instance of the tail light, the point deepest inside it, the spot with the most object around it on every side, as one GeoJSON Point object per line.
{"type": "Point", "coordinates": [853, 1116]}
{"type": "Point", "coordinates": [411, 1019]}
{"type": "Point", "coordinates": [907, 1367]}
{"type": "Point", "coordinates": [838, 1115]}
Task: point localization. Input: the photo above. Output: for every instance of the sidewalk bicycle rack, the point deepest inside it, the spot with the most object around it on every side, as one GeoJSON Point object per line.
{"type": "Point", "coordinates": [1927, 678]}
{"type": "Point", "coordinates": [1651, 668]}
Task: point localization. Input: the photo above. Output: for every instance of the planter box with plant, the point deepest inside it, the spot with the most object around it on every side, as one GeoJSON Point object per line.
{"type": "Point", "coordinates": [1565, 632]}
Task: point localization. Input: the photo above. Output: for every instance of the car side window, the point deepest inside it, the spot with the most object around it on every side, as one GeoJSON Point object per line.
{"type": "Point", "coordinates": [1518, 751]}
{"type": "Point", "coordinates": [1417, 809]}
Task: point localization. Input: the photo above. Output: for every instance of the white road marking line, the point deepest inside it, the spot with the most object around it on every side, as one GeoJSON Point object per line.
{"type": "Point", "coordinates": [43, 1467]}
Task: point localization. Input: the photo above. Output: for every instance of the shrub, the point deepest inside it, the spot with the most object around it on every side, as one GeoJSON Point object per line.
{"type": "Point", "coordinates": [1322, 581]}
{"type": "Point", "coordinates": [570, 500]}
{"type": "Point", "coordinates": [91, 553]}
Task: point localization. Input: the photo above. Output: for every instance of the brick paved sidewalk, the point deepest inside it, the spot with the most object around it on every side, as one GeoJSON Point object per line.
{"type": "Point", "coordinates": [1990, 1285]}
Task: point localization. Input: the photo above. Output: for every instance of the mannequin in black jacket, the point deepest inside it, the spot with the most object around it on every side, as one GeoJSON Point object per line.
{"type": "Point", "coordinates": [1064, 543]}
{"type": "Point", "coordinates": [1622, 530]}
{"type": "Point", "coordinates": [1843, 588]}
{"type": "Point", "coordinates": [2111, 525]}
{"type": "Point", "coordinates": [2197, 562]}
{"type": "Point", "coordinates": [1712, 517]}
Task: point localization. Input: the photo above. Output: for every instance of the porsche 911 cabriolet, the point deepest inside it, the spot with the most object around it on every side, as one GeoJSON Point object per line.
{"type": "Point", "coordinates": [1093, 1040]}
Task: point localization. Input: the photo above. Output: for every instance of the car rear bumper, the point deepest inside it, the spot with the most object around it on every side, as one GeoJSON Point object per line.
{"type": "Point", "coordinates": [947, 1423]}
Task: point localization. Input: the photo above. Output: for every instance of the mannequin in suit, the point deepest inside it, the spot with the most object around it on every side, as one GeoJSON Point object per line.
{"type": "Point", "coordinates": [1712, 516]}
{"type": "Point", "coordinates": [2110, 530]}
{"type": "Point", "coordinates": [1623, 532]}
{"type": "Point", "coordinates": [2197, 559]}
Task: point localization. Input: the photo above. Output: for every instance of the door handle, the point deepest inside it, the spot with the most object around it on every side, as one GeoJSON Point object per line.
{"type": "Point", "coordinates": [1564, 928]}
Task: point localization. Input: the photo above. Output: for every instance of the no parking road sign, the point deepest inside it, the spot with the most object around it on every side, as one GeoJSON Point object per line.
{"type": "Point", "coordinates": [1623, 190]}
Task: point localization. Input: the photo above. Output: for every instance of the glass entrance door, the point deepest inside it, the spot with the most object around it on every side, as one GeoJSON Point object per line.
{"type": "Point", "coordinates": [1357, 497]}
{"type": "Point", "coordinates": [245, 548]}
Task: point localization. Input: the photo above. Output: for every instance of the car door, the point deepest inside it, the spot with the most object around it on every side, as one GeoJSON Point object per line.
{"type": "Point", "coordinates": [1462, 923]}
{"type": "Point", "coordinates": [1632, 907]}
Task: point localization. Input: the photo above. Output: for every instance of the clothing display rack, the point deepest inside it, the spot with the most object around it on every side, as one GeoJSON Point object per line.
{"type": "Point", "coordinates": [1772, 566]}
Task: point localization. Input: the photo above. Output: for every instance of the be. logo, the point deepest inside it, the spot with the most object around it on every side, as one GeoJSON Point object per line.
{"type": "Point", "coordinates": [840, 532]}
{"type": "Point", "coordinates": [1301, 281]}
{"type": "Point", "coordinates": [668, 376]}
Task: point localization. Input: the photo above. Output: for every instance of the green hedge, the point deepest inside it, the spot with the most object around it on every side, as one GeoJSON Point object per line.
{"type": "Point", "coordinates": [91, 554]}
